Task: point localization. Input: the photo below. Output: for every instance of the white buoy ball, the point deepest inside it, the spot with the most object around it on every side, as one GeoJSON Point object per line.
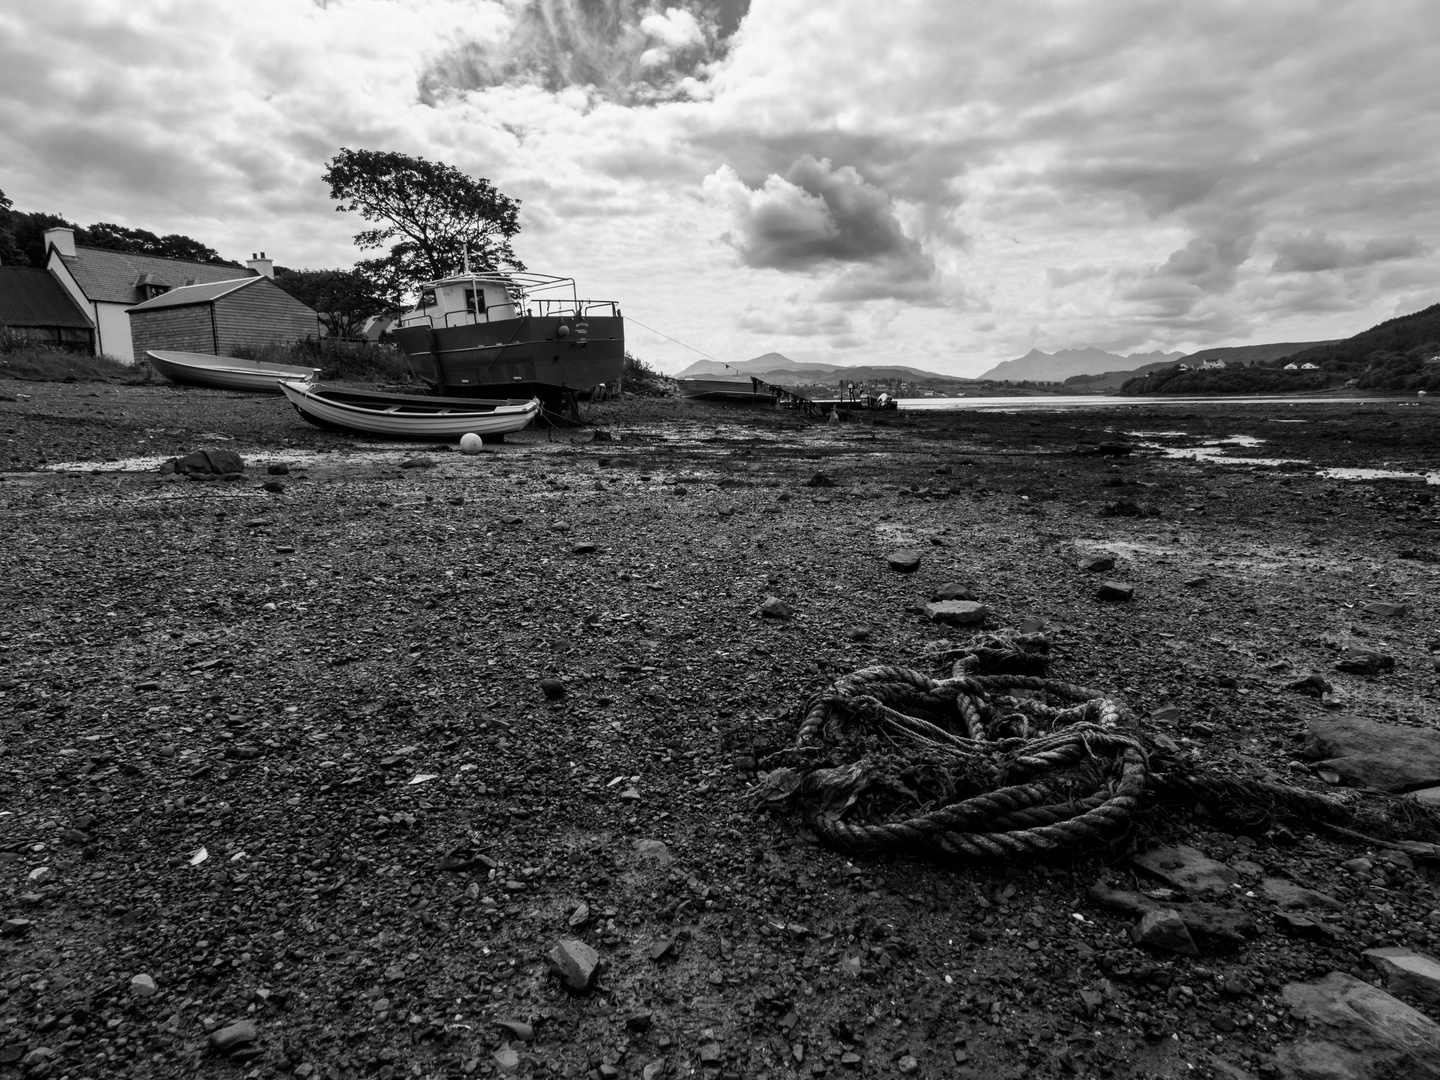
{"type": "Point", "coordinates": [470, 443]}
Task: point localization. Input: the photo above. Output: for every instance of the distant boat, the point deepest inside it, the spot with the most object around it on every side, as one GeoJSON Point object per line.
{"type": "Point", "coordinates": [510, 334]}
{"type": "Point", "coordinates": [226, 372]}
{"type": "Point", "coordinates": [413, 416]}
{"type": "Point", "coordinates": [722, 388]}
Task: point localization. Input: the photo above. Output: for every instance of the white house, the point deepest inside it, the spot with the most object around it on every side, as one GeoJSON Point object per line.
{"type": "Point", "coordinates": [1307, 366]}
{"type": "Point", "coordinates": [106, 283]}
{"type": "Point", "coordinates": [1212, 365]}
{"type": "Point", "coordinates": [1292, 366]}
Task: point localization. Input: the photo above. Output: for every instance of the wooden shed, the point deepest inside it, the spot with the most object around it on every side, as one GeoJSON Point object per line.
{"type": "Point", "coordinates": [36, 307]}
{"type": "Point", "coordinates": [221, 317]}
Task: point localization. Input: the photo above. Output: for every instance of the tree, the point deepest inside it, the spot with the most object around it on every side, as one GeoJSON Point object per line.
{"type": "Point", "coordinates": [103, 234]}
{"type": "Point", "coordinates": [10, 253]}
{"type": "Point", "coordinates": [344, 299]}
{"type": "Point", "coordinates": [431, 211]}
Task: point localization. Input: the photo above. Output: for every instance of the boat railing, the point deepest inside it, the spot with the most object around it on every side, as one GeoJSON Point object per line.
{"type": "Point", "coordinates": [583, 309]}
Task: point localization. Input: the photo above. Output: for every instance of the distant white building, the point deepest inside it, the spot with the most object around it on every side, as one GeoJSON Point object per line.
{"type": "Point", "coordinates": [1212, 365]}
{"type": "Point", "coordinates": [1307, 366]}
{"type": "Point", "coordinates": [1292, 367]}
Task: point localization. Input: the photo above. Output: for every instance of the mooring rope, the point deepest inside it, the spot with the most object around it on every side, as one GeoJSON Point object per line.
{"type": "Point", "coordinates": [998, 761]}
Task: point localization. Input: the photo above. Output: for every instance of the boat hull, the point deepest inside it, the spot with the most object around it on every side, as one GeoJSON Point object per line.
{"type": "Point", "coordinates": [407, 416]}
{"type": "Point", "coordinates": [702, 389]}
{"type": "Point", "coordinates": [226, 372]}
{"type": "Point", "coordinates": [544, 356]}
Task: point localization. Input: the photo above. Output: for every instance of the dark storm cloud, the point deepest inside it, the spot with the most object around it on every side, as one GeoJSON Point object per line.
{"type": "Point", "coordinates": [817, 217]}
{"type": "Point", "coordinates": [628, 51]}
{"type": "Point", "coordinates": [1314, 252]}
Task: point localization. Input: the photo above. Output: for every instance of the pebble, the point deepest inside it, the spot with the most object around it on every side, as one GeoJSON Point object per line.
{"type": "Point", "coordinates": [1384, 609]}
{"type": "Point", "coordinates": [418, 463]}
{"type": "Point", "coordinates": [575, 963]}
{"type": "Point", "coordinates": [553, 689]}
{"type": "Point", "coordinates": [775, 608]}
{"type": "Point", "coordinates": [1164, 931]}
{"type": "Point", "coordinates": [1097, 564]}
{"type": "Point", "coordinates": [274, 487]}
{"type": "Point", "coordinates": [858, 633]}
{"type": "Point", "coordinates": [280, 468]}
{"type": "Point", "coordinates": [518, 1028]}
{"type": "Point", "coordinates": [952, 590]}
{"type": "Point", "coordinates": [15, 927]}
{"type": "Point", "coordinates": [957, 612]}
{"type": "Point", "coordinates": [143, 986]}
{"type": "Point", "coordinates": [903, 560]}
{"type": "Point", "coordinates": [584, 547]}
{"type": "Point", "coordinates": [232, 1038]}
{"type": "Point", "coordinates": [1115, 591]}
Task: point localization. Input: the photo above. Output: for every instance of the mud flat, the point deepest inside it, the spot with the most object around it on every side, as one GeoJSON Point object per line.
{"type": "Point", "coordinates": [344, 761]}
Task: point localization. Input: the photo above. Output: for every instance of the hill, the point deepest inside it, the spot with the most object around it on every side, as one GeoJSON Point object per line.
{"type": "Point", "coordinates": [1393, 356]}
{"type": "Point", "coordinates": [778, 364]}
{"type": "Point", "coordinates": [1038, 366]}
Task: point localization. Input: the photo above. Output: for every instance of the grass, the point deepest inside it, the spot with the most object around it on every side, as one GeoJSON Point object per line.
{"type": "Point", "coordinates": [358, 361]}
{"type": "Point", "coordinates": [37, 363]}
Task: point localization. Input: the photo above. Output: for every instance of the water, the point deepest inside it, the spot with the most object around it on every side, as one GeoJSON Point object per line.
{"type": "Point", "coordinates": [1060, 402]}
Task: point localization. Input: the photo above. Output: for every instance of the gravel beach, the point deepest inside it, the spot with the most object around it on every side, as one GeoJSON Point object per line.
{"type": "Point", "coordinates": [309, 772]}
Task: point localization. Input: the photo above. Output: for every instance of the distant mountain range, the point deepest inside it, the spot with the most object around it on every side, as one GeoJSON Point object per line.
{"type": "Point", "coordinates": [778, 364]}
{"type": "Point", "coordinates": [1039, 366]}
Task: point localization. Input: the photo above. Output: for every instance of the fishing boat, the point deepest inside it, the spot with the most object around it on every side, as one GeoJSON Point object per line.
{"type": "Point", "coordinates": [508, 334]}
{"type": "Point", "coordinates": [410, 416]}
{"type": "Point", "coordinates": [226, 372]}
{"type": "Point", "coordinates": [723, 388]}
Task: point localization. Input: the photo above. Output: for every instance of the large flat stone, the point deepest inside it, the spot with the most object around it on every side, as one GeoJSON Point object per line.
{"type": "Point", "coordinates": [1368, 753]}
{"type": "Point", "coordinates": [1188, 870]}
{"type": "Point", "coordinates": [1407, 973]}
{"type": "Point", "coordinates": [1357, 1032]}
{"type": "Point", "coordinates": [1210, 924]}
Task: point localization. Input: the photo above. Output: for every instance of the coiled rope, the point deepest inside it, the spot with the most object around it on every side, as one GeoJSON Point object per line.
{"type": "Point", "coordinates": [1008, 764]}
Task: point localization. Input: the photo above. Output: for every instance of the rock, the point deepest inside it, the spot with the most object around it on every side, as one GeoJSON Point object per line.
{"type": "Point", "coordinates": [1430, 796]}
{"type": "Point", "coordinates": [1289, 896]}
{"type": "Point", "coordinates": [1306, 928]}
{"type": "Point", "coordinates": [1368, 753]}
{"type": "Point", "coordinates": [584, 547]}
{"type": "Point", "coordinates": [1312, 684]}
{"type": "Point", "coordinates": [143, 986]}
{"type": "Point", "coordinates": [1166, 714]}
{"type": "Point", "coordinates": [957, 612]}
{"type": "Point", "coordinates": [904, 560]}
{"type": "Point", "coordinates": [654, 1070]}
{"type": "Point", "coordinates": [280, 468]}
{"type": "Point", "coordinates": [1407, 973]}
{"type": "Point", "coordinates": [1210, 923]}
{"type": "Point", "coordinates": [775, 608]}
{"type": "Point", "coordinates": [639, 1022]}
{"type": "Point", "coordinates": [1097, 564]}
{"type": "Point", "coordinates": [1188, 870]}
{"type": "Point", "coordinates": [858, 633]}
{"type": "Point", "coordinates": [1196, 582]}
{"type": "Point", "coordinates": [662, 948]}
{"type": "Point", "coordinates": [653, 851]}
{"type": "Point", "coordinates": [819, 479]}
{"type": "Point", "coordinates": [1357, 1032]}
{"type": "Point", "coordinates": [952, 590]}
{"type": "Point", "coordinates": [15, 927]}
{"type": "Point", "coordinates": [575, 963]}
{"type": "Point", "coordinates": [506, 1059]}
{"type": "Point", "coordinates": [1384, 609]}
{"type": "Point", "coordinates": [234, 1037]}
{"type": "Point", "coordinates": [208, 463]}
{"type": "Point", "coordinates": [1115, 591]}
{"type": "Point", "coordinates": [274, 487]}
{"type": "Point", "coordinates": [1360, 661]}
{"type": "Point", "coordinates": [518, 1029]}
{"type": "Point", "coordinates": [1164, 931]}
{"type": "Point", "coordinates": [418, 463]}
{"type": "Point", "coordinates": [553, 689]}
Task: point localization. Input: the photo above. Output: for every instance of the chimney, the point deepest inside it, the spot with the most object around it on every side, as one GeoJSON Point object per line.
{"type": "Point", "coordinates": [62, 239]}
{"type": "Point", "coordinates": [261, 265]}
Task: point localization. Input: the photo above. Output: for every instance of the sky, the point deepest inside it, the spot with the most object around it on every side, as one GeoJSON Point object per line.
{"type": "Point", "coordinates": [939, 184]}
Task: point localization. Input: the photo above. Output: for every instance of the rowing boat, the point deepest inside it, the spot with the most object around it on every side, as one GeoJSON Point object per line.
{"type": "Point", "coordinates": [413, 416]}
{"type": "Point", "coordinates": [226, 372]}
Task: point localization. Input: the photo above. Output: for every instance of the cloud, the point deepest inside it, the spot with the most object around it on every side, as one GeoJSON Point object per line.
{"type": "Point", "coordinates": [625, 51]}
{"type": "Point", "coordinates": [1314, 252]}
{"type": "Point", "coordinates": [817, 217]}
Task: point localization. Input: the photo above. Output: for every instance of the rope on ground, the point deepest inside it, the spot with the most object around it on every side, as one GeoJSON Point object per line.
{"type": "Point", "coordinates": [999, 761]}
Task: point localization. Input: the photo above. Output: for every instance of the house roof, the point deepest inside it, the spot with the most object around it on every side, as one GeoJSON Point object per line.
{"type": "Point", "coordinates": [114, 276]}
{"type": "Point", "coordinates": [194, 294]}
{"type": "Point", "coordinates": [31, 297]}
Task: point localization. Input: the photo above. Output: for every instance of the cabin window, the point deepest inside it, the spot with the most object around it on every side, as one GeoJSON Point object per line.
{"type": "Point", "coordinates": [427, 298]}
{"type": "Point", "coordinates": [475, 300]}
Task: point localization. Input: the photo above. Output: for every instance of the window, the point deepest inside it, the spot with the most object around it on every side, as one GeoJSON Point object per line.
{"type": "Point", "coordinates": [427, 298]}
{"type": "Point", "coordinates": [475, 301]}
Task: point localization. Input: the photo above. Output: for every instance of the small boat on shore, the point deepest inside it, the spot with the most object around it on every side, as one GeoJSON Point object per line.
{"type": "Point", "coordinates": [723, 388]}
{"type": "Point", "coordinates": [226, 372]}
{"type": "Point", "coordinates": [409, 416]}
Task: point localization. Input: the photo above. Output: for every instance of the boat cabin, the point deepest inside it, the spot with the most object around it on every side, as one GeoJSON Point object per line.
{"type": "Point", "coordinates": [462, 301]}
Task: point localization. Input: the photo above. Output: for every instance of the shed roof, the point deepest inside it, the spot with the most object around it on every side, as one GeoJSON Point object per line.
{"type": "Point", "coordinates": [32, 297]}
{"type": "Point", "coordinates": [114, 276]}
{"type": "Point", "coordinates": [194, 294]}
